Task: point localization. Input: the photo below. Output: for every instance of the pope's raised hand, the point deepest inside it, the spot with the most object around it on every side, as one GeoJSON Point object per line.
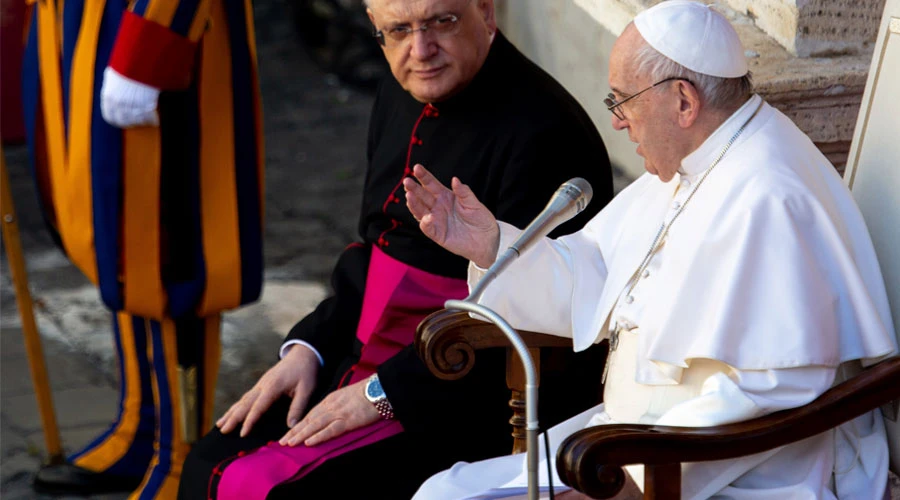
{"type": "Point", "coordinates": [453, 218]}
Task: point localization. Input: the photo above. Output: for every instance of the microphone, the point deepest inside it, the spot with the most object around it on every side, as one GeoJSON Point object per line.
{"type": "Point", "coordinates": [567, 202]}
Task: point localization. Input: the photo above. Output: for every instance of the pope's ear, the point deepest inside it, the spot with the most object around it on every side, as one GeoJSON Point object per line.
{"type": "Point", "coordinates": [689, 106]}
{"type": "Point", "coordinates": [688, 103]}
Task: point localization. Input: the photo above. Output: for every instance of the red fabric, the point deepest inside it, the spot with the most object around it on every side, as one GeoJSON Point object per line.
{"type": "Point", "coordinates": [397, 298]}
{"type": "Point", "coordinates": [152, 54]}
{"type": "Point", "coordinates": [12, 32]}
{"type": "Point", "coordinates": [253, 475]}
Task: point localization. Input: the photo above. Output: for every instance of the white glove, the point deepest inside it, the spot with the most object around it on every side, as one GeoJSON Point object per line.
{"type": "Point", "coordinates": [126, 103]}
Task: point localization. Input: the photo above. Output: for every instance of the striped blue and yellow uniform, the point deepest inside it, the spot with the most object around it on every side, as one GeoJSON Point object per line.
{"type": "Point", "coordinates": [166, 221]}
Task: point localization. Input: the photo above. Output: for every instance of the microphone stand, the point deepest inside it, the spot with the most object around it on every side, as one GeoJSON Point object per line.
{"type": "Point", "coordinates": [531, 386]}
{"type": "Point", "coordinates": [570, 199]}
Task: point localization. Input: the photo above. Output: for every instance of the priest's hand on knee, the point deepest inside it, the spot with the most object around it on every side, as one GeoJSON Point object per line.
{"type": "Point", "coordinates": [343, 410]}
{"type": "Point", "coordinates": [294, 376]}
{"type": "Point", "coordinates": [454, 219]}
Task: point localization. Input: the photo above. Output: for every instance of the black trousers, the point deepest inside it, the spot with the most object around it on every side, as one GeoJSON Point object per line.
{"type": "Point", "coordinates": [394, 468]}
{"type": "Point", "coordinates": [389, 469]}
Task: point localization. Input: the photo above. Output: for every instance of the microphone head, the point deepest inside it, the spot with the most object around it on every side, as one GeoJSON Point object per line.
{"type": "Point", "coordinates": [579, 191]}
{"type": "Point", "coordinates": [567, 202]}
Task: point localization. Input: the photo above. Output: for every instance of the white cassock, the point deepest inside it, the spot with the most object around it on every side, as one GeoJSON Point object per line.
{"type": "Point", "coordinates": [764, 293]}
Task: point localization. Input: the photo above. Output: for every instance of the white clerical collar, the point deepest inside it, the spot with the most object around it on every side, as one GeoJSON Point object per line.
{"type": "Point", "coordinates": [698, 161]}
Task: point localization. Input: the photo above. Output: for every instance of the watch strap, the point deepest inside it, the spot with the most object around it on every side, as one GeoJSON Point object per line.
{"type": "Point", "coordinates": [385, 409]}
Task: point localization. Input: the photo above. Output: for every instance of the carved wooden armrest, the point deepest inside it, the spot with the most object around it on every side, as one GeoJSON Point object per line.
{"type": "Point", "coordinates": [447, 340]}
{"type": "Point", "coordinates": [590, 460]}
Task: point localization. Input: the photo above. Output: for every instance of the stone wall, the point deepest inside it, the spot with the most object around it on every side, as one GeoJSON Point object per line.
{"type": "Point", "coordinates": [816, 28]}
{"type": "Point", "coordinates": [815, 77]}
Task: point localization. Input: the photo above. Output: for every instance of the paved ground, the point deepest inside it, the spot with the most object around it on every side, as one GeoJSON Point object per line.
{"type": "Point", "coordinates": [315, 159]}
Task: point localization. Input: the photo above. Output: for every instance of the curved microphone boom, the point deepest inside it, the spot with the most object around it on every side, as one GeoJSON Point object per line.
{"type": "Point", "coordinates": [567, 202]}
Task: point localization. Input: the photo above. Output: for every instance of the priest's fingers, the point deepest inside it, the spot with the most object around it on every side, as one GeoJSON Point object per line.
{"type": "Point", "coordinates": [319, 417]}
{"type": "Point", "coordinates": [303, 428]}
{"type": "Point", "coordinates": [225, 419]}
{"type": "Point", "coordinates": [341, 411]}
{"type": "Point", "coordinates": [334, 429]}
{"type": "Point", "coordinates": [311, 425]}
{"type": "Point", "coordinates": [262, 403]}
{"type": "Point", "coordinates": [298, 404]}
{"type": "Point", "coordinates": [238, 411]}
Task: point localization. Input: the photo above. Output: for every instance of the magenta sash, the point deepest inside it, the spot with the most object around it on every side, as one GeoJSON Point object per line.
{"type": "Point", "coordinates": [397, 298]}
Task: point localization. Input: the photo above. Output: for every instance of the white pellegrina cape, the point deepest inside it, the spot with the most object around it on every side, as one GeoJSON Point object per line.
{"type": "Point", "coordinates": [769, 270]}
{"type": "Point", "coordinates": [771, 265]}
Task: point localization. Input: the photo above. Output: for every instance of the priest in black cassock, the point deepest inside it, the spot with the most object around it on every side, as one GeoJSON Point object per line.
{"type": "Point", "coordinates": [349, 400]}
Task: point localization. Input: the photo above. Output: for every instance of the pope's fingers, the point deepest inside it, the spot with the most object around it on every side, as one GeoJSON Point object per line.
{"type": "Point", "coordinates": [463, 192]}
{"type": "Point", "coordinates": [416, 206]}
{"type": "Point", "coordinates": [420, 191]}
{"type": "Point", "coordinates": [428, 181]}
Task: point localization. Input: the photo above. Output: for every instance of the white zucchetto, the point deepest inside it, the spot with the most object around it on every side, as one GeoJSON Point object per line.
{"type": "Point", "coordinates": [695, 36]}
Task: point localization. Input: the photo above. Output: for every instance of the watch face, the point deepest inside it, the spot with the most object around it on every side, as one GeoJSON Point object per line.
{"type": "Point", "coordinates": [374, 390]}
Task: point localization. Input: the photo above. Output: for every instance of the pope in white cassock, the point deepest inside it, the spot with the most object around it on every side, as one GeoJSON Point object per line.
{"type": "Point", "coordinates": [736, 278]}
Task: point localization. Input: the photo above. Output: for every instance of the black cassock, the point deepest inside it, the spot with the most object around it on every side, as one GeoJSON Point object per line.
{"type": "Point", "coordinates": [513, 135]}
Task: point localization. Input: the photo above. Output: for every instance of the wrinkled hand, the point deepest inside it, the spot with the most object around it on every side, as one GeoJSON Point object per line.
{"type": "Point", "coordinates": [455, 219]}
{"type": "Point", "coordinates": [293, 376]}
{"type": "Point", "coordinates": [125, 103]}
{"type": "Point", "coordinates": [341, 411]}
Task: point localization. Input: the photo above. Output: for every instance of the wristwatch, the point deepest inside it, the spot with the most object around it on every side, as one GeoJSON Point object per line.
{"type": "Point", "coordinates": [375, 394]}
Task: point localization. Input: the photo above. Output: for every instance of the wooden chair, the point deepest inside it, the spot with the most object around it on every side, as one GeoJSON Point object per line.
{"type": "Point", "coordinates": [590, 460]}
{"type": "Point", "coordinates": [448, 340]}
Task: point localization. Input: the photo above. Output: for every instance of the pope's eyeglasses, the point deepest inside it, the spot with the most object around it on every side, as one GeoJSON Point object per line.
{"type": "Point", "coordinates": [613, 105]}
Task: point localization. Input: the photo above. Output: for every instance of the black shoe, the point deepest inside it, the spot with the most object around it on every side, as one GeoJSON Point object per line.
{"type": "Point", "coordinates": [71, 479]}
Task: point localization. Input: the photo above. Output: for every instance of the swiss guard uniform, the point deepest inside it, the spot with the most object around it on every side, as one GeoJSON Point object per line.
{"type": "Point", "coordinates": [166, 220]}
{"type": "Point", "coordinates": [513, 135]}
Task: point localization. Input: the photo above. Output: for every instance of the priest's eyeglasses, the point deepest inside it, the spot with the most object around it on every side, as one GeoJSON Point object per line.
{"type": "Point", "coordinates": [613, 105]}
{"type": "Point", "coordinates": [443, 25]}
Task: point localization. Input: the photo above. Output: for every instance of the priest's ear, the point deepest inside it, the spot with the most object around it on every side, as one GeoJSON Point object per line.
{"type": "Point", "coordinates": [487, 12]}
{"type": "Point", "coordinates": [689, 103]}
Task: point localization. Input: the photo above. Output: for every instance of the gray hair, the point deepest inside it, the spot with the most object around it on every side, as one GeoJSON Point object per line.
{"type": "Point", "coordinates": [716, 92]}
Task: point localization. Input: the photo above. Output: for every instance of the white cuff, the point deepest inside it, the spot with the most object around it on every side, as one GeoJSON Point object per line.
{"type": "Point", "coordinates": [282, 352]}
{"type": "Point", "coordinates": [127, 103]}
{"type": "Point", "coordinates": [508, 234]}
